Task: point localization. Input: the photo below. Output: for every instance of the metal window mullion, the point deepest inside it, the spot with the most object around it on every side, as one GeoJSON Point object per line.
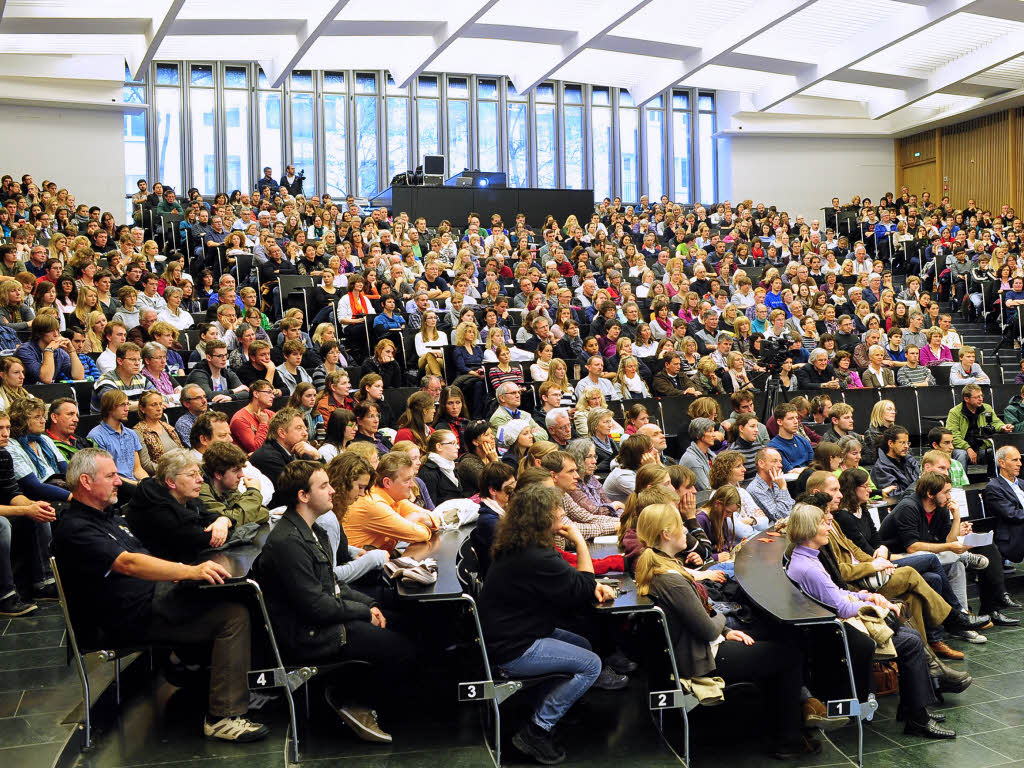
{"type": "Point", "coordinates": [532, 171]}
{"type": "Point", "coordinates": [588, 142]}
{"type": "Point", "coordinates": [151, 125]}
{"type": "Point", "coordinates": [382, 129]}
{"type": "Point", "coordinates": [504, 162]}
{"type": "Point", "coordinates": [251, 83]}
{"type": "Point", "coordinates": [220, 139]}
{"type": "Point", "coordinates": [186, 127]}
{"type": "Point", "coordinates": [694, 153]}
{"type": "Point", "coordinates": [616, 154]}
{"type": "Point", "coordinates": [560, 169]}
{"type": "Point", "coordinates": [666, 144]}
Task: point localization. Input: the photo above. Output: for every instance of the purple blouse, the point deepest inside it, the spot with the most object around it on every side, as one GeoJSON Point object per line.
{"type": "Point", "coordinates": [928, 357]}
{"type": "Point", "coordinates": [807, 571]}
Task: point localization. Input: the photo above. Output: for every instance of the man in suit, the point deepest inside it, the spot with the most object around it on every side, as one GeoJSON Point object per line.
{"type": "Point", "coordinates": [1004, 495]}
{"type": "Point", "coordinates": [669, 382]}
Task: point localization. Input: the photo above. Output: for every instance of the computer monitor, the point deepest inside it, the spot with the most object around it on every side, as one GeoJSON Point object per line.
{"type": "Point", "coordinates": [433, 165]}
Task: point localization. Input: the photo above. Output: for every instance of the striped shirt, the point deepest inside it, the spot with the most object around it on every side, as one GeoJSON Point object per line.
{"type": "Point", "coordinates": [110, 380]}
{"type": "Point", "coordinates": [911, 377]}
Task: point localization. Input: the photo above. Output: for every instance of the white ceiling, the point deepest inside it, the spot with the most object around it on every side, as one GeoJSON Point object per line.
{"type": "Point", "coordinates": [885, 66]}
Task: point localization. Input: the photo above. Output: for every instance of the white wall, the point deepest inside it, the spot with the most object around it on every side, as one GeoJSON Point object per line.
{"type": "Point", "coordinates": [802, 175]}
{"type": "Point", "coordinates": [80, 149]}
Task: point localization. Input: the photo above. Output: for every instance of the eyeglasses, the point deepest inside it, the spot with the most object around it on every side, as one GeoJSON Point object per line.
{"type": "Point", "coordinates": [449, 442]}
{"type": "Point", "coordinates": [220, 356]}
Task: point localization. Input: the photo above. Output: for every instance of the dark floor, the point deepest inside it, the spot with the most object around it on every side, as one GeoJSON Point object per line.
{"type": "Point", "coordinates": [160, 725]}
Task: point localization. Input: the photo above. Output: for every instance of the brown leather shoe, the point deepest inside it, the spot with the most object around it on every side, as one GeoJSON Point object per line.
{"type": "Point", "coordinates": [943, 650]}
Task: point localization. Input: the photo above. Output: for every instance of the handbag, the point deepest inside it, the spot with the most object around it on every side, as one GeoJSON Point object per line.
{"type": "Point", "coordinates": [886, 676]}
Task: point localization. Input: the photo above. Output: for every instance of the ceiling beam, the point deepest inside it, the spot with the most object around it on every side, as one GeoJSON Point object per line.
{"type": "Point", "coordinates": [722, 43]}
{"type": "Point", "coordinates": [417, 58]}
{"type": "Point", "coordinates": [595, 24]}
{"type": "Point", "coordinates": [159, 26]}
{"type": "Point", "coordinates": [997, 52]}
{"type": "Point", "coordinates": [885, 33]}
{"type": "Point", "coordinates": [321, 15]}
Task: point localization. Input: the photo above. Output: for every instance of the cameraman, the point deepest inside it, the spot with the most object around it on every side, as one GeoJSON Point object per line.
{"type": "Point", "coordinates": [291, 182]}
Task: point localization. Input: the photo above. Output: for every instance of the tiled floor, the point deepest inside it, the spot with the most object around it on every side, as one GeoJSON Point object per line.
{"type": "Point", "coordinates": [159, 725]}
{"type": "Point", "coordinates": [37, 689]}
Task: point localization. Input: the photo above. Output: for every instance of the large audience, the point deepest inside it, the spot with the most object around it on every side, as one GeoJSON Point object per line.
{"type": "Point", "coordinates": [532, 355]}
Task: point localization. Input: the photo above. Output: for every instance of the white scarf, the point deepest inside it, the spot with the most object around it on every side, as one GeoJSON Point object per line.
{"type": "Point", "coordinates": [634, 384]}
{"type": "Point", "coordinates": [445, 465]}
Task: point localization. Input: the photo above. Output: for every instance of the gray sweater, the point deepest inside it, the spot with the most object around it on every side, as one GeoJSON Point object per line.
{"type": "Point", "coordinates": [700, 464]}
{"type": "Point", "coordinates": [691, 628]}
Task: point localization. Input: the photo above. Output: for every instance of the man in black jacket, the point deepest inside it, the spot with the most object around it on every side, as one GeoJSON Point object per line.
{"type": "Point", "coordinates": [166, 515]}
{"type": "Point", "coordinates": [819, 374]}
{"type": "Point", "coordinates": [219, 383]}
{"type": "Point", "coordinates": [286, 442]}
{"type": "Point", "coordinates": [316, 618]}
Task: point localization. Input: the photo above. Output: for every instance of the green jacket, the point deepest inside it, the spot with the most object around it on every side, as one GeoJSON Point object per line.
{"type": "Point", "coordinates": [1014, 413]}
{"type": "Point", "coordinates": [240, 507]}
{"type": "Point", "coordinates": [957, 423]}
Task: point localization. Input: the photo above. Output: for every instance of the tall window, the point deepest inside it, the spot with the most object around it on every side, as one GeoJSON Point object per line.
{"type": "Point", "coordinates": [654, 124]}
{"type": "Point", "coordinates": [458, 124]}
{"type": "Point", "coordinates": [303, 131]}
{"type": "Point", "coordinates": [428, 117]}
{"type": "Point", "coordinates": [547, 141]}
{"type": "Point", "coordinates": [366, 134]}
{"type": "Point", "coordinates": [135, 164]}
{"type": "Point", "coordinates": [681, 146]}
{"type": "Point", "coordinates": [269, 127]}
{"type": "Point", "coordinates": [487, 123]}
{"type": "Point", "coordinates": [706, 147]}
{"type": "Point", "coordinates": [628, 145]}
{"type": "Point", "coordinates": [335, 120]}
{"type": "Point", "coordinates": [168, 126]}
{"type": "Point", "coordinates": [572, 113]}
{"type": "Point", "coordinates": [518, 131]}
{"type": "Point", "coordinates": [601, 120]}
{"type": "Point", "coordinates": [202, 97]}
{"type": "Point", "coordinates": [236, 126]}
{"type": "Point", "coordinates": [398, 129]}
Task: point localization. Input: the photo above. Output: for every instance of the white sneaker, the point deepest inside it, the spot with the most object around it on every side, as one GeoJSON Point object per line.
{"type": "Point", "coordinates": [239, 729]}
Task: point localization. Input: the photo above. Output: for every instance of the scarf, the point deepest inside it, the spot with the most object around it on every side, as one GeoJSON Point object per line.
{"type": "Point", "coordinates": [48, 464]}
{"type": "Point", "coordinates": [446, 466]}
{"type": "Point", "coordinates": [10, 395]}
{"type": "Point", "coordinates": [352, 303]}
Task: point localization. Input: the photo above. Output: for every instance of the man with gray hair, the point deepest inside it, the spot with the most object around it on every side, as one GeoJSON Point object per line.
{"type": "Point", "coordinates": [1004, 494]}
{"type": "Point", "coordinates": [509, 399]}
{"type": "Point", "coordinates": [111, 579]}
{"type": "Point", "coordinates": [193, 398]}
{"type": "Point", "coordinates": [818, 374]}
{"type": "Point", "coordinates": [559, 427]}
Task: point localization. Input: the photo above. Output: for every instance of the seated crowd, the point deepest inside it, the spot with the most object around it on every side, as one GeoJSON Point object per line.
{"type": "Point", "coordinates": [521, 343]}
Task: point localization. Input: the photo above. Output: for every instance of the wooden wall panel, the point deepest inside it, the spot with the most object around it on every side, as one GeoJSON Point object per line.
{"type": "Point", "coordinates": [975, 158]}
{"type": "Point", "coordinates": [920, 178]}
{"type": "Point", "coordinates": [1017, 158]}
{"type": "Point", "coordinates": [920, 142]}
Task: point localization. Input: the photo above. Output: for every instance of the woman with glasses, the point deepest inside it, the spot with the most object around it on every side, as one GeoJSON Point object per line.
{"type": "Point", "coordinates": [438, 470]}
{"type": "Point", "coordinates": [154, 368]}
{"type": "Point", "coordinates": [166, 515]}
{"type": "Point", "coordinates": [157, 436]}
{"type": "Point", "coordinates": [37, 460]}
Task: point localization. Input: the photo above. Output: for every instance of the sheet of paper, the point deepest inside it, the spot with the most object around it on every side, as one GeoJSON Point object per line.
{"type": "Point", "coordinates": [976, 539]}
{"type": "Point", "coordinates": [959, 495]}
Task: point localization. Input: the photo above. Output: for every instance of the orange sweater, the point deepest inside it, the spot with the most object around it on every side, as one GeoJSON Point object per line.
{"type": "Point", "coordinates": [377, 520]}
{"type": "Point", "coordinates": [247, 431]}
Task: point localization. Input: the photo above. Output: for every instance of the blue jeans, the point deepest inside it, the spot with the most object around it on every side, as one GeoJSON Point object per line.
{"type": "Point", "coordinates": [561, 653]}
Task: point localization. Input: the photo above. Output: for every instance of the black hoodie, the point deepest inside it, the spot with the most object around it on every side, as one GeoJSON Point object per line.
{"type": "Point", "coordinates": [167, 528]}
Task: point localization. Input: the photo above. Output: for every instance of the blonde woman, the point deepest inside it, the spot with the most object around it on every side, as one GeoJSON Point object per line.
{"type": "Point", "coordinates": [88, 302]}
{"type": "Point", "coordinates": [558, 374]}
{"type": "Point", "coordinates": [591, 399]}
{"type": "Point", "coordinates": [430, 344]}
{"type": "Point", "coordinates": [627, 380]}
{"type": "Point", "coordinates": [95, 325]}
